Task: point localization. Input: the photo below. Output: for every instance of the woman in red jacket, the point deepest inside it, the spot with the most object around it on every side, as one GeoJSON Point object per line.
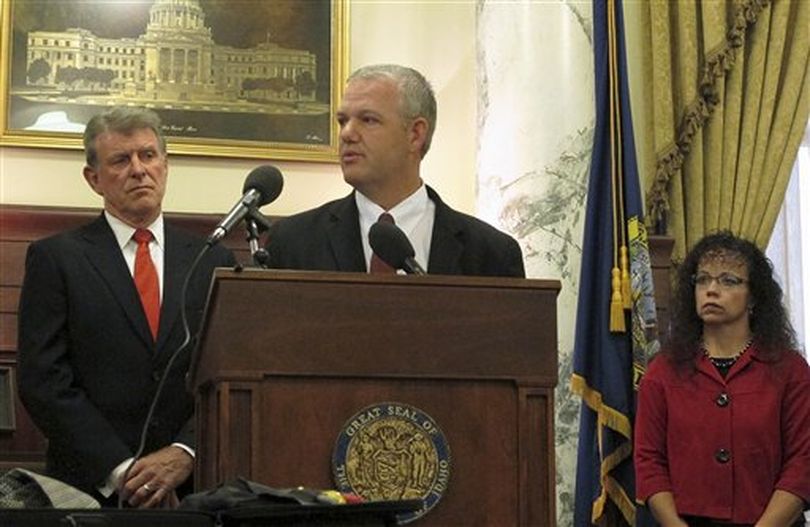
{"type": "Point", "coordinates": [723, 420]}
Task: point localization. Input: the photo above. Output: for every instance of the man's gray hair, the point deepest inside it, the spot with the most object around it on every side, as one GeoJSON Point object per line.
{"type": "Point", "coordinates": [123, 120]}
{"type": "Point", "coordinates": [416, 95]}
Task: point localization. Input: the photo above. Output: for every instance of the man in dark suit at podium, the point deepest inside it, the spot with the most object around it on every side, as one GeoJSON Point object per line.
{"type": "Point", "coordinates": [100, 318]}
{"type": "Point", "coordinates": [387, 119]}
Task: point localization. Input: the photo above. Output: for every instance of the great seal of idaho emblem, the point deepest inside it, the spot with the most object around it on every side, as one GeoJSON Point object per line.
{"type": "Point", "coordinates": [392, 451]}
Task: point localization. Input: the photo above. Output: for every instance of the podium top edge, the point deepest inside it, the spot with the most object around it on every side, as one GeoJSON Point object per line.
{"type": "Point", "coordinates": [249, 273]}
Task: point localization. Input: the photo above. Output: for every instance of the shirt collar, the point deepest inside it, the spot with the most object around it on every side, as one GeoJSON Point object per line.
{"type": "Point", "coordinates": [406, 213]}
{"type": "Point", "coordinates": [123, 232]}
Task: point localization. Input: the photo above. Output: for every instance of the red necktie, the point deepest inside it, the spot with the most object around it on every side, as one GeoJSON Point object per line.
{"type": "Point", "coordinates": [146, 280]}
{"type": "Point", "coordinates": [377, 264]}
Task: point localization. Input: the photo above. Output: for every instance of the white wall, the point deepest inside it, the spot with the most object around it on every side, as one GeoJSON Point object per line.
{"type": "Point", "coordinates": [438, 38]}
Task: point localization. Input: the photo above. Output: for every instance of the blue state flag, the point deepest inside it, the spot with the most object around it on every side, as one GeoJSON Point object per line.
{"type": "Point", "coordinates": [615, 326]}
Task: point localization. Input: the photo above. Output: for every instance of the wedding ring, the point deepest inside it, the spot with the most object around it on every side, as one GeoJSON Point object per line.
{"type": "Point", "coordinates": [147, 488]}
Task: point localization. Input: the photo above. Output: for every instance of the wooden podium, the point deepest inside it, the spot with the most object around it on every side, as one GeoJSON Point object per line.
{"type": "Point", "coordinates": [287, 357]}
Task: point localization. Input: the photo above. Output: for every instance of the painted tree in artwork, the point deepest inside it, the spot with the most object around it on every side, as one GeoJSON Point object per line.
{"type": "Point", "coordinates": [38, 70]}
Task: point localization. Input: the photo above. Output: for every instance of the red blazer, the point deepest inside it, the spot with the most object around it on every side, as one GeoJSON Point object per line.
{"type": "Point", "coordinates": [722, 446]}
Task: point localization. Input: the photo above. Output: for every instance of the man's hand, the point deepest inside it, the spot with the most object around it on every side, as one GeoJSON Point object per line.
{"type": "Point", "coordinates": [153, 478]}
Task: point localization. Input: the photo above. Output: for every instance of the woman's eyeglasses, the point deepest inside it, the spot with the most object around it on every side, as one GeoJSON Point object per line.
{"type": "Point", "coordinates": [724, 280]}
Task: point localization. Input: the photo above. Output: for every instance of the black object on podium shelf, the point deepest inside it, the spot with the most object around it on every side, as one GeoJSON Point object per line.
{"type": "Point", "coordinates": [370, 514]}
{"type": "Point", "coordinates": [247, 503]}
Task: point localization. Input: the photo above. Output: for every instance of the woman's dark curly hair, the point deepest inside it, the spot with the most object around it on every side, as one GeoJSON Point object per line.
{"type": "Point", "coordinates": [769, 321]}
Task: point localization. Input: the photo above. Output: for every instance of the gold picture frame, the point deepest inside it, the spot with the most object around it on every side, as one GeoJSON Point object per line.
{"type": "Point", "coordinates": [229, 78]}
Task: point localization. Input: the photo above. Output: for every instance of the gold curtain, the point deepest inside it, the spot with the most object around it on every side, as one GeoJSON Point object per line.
{"type": "Point", "coordinates": [731, 99]}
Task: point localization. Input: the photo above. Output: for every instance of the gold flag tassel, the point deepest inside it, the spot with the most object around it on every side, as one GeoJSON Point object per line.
{"type": "Point", "coordinates": [616, 307]}
{"type": "Point", "coordinates": [617, 289]}
{"type": "Point", "coordinates": [627, 297]}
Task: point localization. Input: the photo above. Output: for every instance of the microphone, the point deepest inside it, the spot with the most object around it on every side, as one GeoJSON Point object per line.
{"type": "Point", "coordinates": [393, 247]}
{"type": "Point", "coordinates": [262, 186]}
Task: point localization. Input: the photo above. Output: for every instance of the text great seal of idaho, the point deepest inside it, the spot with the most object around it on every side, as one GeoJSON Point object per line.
{"type": "Point", "coordinates": [392, 451]}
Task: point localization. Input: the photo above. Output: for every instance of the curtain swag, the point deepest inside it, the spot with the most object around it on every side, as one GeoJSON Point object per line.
{"type": "Point", "coordinates": [718, 62]}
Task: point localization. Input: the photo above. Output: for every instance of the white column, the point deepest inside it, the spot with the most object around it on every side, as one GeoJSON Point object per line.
{"type": "Point", "coordinates": [535, 128]}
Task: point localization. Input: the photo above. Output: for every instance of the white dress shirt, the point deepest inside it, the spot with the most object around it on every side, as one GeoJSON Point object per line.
{"type": "Point", "coordinates": [414, 216]}
{"type": "Point", "coordinates": [157, 248]}
{"type": "Point", "coordinates": [123, 234]}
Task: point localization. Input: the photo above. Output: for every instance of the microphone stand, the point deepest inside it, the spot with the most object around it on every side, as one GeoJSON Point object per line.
{"type": "Point", "coordinates": [256, 223]}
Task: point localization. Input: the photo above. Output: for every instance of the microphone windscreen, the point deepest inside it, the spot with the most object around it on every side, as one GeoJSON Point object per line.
{"type": "Point", "coordinates": [267, 180]}
{"type": "Point", "coordinates": [390, 244]}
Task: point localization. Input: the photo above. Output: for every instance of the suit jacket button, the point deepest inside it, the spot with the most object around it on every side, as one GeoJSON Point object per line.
{"type": "Point", "coordinates": [722, 400]}
{"type": "Point", "coordinates": [722, 455]}
{"type": "Point", "coordinates": [156, 376]}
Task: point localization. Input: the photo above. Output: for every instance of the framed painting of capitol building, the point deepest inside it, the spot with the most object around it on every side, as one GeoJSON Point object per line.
{"type": "Point", "coordinates": [234, 78]}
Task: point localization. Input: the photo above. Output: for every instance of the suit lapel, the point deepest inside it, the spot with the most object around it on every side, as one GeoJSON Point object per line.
{"type": "Point", "coordinates": [343, 232]}
{"type": "Point", "coordinates": [446, 246]}
{"type": "Point", "coordinates": [103, 253]}
{"type": "Point", "coordinates": [176, 262]}
{"type": "Point", "coordinates": [447, 241]}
